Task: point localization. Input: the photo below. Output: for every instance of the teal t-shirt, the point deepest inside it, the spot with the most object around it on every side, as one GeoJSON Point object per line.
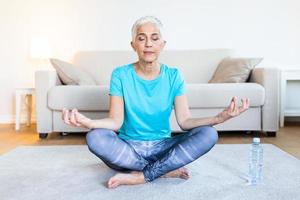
{"type": "Point", "coordinates": [147, 103]}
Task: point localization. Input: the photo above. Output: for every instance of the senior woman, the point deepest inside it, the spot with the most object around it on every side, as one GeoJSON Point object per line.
{"type": "Point", "coordinates": [141, 98]}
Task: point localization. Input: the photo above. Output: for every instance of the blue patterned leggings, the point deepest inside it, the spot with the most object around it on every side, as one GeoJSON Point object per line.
{"type": "Point", "coordinates": [154, 158]}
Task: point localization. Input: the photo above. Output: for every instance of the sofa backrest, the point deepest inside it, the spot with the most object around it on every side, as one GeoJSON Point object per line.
{"type": "Point", "coordinates": [197, 66]}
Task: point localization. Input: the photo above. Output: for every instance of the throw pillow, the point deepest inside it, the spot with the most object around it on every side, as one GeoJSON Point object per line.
{"type": "Point", "coordinates": [71, 74]}
{"type": "Point", "coordinates": [234, 70]}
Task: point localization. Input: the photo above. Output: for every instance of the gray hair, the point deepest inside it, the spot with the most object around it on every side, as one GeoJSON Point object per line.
{"type": "Point", "coordinates": [144, 20]}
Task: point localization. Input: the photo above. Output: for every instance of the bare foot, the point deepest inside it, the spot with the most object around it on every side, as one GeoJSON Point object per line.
{"type": "Point", "coordinates": [178, 173]}
{"type": "Point", "coordinates": [132, 178]}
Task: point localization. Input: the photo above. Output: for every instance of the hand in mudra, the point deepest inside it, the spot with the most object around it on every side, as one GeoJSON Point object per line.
{"type": "Point", "coordinates": [233, 109]}
{"type": "Point", "coordinates": [74, 118]}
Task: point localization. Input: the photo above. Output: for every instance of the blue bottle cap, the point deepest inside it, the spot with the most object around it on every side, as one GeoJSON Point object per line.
{"type": "Point", "coordinates": [256, 140]}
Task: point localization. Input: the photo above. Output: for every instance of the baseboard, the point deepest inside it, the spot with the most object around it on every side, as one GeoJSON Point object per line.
{"type": "Point", "coordinates": [292, 119]}
{"type": "Point", "coordinates": [11, 119]}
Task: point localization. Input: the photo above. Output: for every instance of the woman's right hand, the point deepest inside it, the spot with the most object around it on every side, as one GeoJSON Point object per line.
{"type": "Point", "coordinates": [74, 118]}
{"type": "Point", "coordinates": [233, 109]}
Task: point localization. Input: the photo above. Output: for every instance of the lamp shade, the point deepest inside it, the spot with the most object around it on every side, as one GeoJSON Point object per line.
{"type": "Point", "coordinates": [40, 48]}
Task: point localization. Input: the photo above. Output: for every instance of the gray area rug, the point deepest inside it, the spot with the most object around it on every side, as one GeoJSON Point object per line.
{"type": "Point", "coordinates": [72, 172]}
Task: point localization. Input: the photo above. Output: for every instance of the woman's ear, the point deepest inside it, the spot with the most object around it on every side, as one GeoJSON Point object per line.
{"type": "Point", "coordinates": [163, 44]}
{"type": "Point", "coordinates": [131, 43]}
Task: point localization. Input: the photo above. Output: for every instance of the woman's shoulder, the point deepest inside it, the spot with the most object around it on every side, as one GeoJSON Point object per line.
{"type": "Point", "coordinates": [121, 69]}
{"type": "Point", "coordinates": [171, 70]}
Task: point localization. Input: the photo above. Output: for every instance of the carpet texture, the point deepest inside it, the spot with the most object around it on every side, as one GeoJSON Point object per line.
{"type": "Point", "coordinates": [72, 172]}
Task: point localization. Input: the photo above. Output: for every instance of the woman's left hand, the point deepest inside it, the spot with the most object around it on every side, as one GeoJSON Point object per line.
{"type": "Point", "coordinates": [233, 109]}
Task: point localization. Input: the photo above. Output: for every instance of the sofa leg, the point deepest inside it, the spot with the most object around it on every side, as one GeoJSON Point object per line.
{"type": "Point", "coordinates": [43, 135]}
{"type": "Point", "coordinates": [271, 133]}
{"type": "Point", "coordinates": [248, 132]}
{"type": "Point", "coordinates": [63, 133]}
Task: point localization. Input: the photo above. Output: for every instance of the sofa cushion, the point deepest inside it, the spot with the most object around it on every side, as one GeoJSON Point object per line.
{"type": "Point", "coordinates": [96, 98]}
{"type": "Point", "coordinates": [234, 70]}
{"type": "Point", "coordinates": [197, 66]}
{"type": "Point", "coordinates": [88, 98]}
{"type": "Point", "coordinates": [218, 95]}
{"type": "Point", "coordinates": [70, 74]}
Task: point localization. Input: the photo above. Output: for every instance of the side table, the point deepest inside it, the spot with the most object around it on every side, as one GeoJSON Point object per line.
{"type": "Point", "coordinates": [287, 75]}
{"type": "Point", "coordinates": [28, 92]}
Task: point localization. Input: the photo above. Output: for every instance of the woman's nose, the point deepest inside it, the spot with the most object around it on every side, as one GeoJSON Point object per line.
{"type": "Point", "coordinates": [148, 43]}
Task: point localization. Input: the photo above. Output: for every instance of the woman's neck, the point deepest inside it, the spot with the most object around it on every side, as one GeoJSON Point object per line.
{"type": "Point", "coordinates": [148, 69]}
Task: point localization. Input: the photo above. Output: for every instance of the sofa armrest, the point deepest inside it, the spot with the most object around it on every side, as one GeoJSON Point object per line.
{"type": "Point", "coordinates": [269, 78]}
{"type": "Point", "coordinates": [44, 80]}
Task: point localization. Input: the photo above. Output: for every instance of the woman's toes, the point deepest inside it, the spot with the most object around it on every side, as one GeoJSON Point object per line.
{"type": "Point", "coordinates": [113, 185]}
{"type": "Point", "coordinates": [184, 173]}
{"type": "Point", "coordinates": [111, 182]}
{"type": "Point", "coordinates": [185, 176]}
{"type": "Point", "coordinates": [178, 173]}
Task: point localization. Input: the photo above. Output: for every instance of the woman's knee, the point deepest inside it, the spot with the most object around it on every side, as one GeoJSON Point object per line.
{"type": "Point", "coordinates": [99, 137]}
{"type": "Point", "coordinates": [209, 134]}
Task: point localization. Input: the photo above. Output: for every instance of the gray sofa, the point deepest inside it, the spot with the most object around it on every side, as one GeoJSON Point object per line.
{"type": "Point", "coordinates": [197, 66]}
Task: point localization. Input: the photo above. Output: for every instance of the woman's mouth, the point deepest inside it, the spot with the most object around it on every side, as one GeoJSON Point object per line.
{"type": "Point", "coordinates": [148, 52]}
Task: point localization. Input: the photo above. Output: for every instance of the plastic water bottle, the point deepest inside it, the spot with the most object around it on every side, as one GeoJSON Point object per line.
{"type": "Point", "coordinates": [255, 162]}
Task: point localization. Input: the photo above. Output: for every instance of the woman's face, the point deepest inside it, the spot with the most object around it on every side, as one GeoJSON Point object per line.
{"type": "Point", "coordinates": [148, 42]}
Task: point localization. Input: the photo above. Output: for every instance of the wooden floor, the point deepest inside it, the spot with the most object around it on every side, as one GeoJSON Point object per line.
{"type": "Point", "coordinates": [288, 138]}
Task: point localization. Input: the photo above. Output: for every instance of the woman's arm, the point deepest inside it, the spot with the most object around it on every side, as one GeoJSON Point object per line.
{"type": "Point", "coordinates": [186, 122]}
{"type": "Point", "coordinates": [114, 121]}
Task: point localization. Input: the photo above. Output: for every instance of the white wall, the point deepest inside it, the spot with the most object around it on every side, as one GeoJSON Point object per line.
{"type": "Point", "coordinates": [268, 28]}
